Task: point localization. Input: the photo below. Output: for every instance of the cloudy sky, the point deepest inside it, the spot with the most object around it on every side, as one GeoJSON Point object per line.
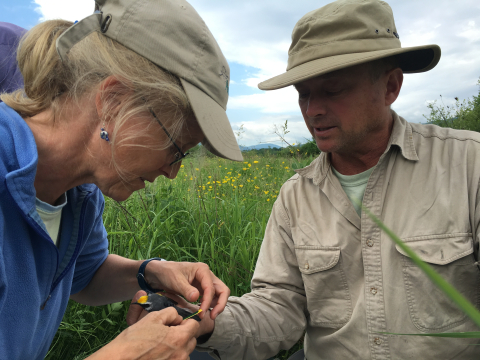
{"type": "Point", "coordinates": [255, 36]}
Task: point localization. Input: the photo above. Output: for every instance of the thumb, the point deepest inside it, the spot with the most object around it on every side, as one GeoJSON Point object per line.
{"type": "Point", "coordinates": [189, 292]}
{"type": "Point", "coordinates": [135, 311]}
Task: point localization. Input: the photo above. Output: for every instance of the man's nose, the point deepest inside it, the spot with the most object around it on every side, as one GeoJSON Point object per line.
{"type": "Point", "coordinates": [315, 106]}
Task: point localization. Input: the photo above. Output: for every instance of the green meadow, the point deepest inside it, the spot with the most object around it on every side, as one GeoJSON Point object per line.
{"type": "Point", "coordinates": [215, 212]}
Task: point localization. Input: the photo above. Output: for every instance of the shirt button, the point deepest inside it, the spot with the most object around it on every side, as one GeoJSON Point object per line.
{"type": "Point", "coordinates": [370, 243]}
{"type": "Point", "coordinates": [377, 341]}
{"type": "Point", "coordinates": [307, 266]}
{"type": "Point", "coordinates": [373, 291]}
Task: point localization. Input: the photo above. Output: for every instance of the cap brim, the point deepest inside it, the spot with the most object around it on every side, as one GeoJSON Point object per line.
{"type": "Point", "coordinates": [412, 60]}
{"type": "Point", "coordinates": [213, 120]}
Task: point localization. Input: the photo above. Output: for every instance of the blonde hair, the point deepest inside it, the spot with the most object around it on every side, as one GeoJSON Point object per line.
{"type": "Point", "coordinates": [48, 81]}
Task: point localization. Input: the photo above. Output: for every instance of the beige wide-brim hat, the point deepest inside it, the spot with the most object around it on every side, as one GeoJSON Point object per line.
{"type": "Point", "coordinates": [172, 35]}
{"type": "Point", "coordinates": [347, 33]}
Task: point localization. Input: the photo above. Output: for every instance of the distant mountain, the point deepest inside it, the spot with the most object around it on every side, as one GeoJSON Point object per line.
{"type": "Point", "coordinates": [259, 146]}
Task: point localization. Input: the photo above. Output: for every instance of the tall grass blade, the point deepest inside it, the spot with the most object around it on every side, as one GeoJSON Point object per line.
{"type": "Point", "coordinates": [464, 335]}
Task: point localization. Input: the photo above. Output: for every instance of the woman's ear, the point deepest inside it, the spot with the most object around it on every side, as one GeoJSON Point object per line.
{"type": "Point", "coordinates": [109, 97]}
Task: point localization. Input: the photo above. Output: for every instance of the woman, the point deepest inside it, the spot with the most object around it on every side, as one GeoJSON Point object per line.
{"type": "Point", "coordinates": [108, 103]}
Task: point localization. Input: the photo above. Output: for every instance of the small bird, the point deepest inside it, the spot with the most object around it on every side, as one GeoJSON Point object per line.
{"type": "Point", "coordinates": [157, 302]}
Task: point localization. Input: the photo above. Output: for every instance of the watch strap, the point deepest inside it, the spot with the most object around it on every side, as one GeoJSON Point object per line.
{"type": "Point", "coordinates": [141, 276]}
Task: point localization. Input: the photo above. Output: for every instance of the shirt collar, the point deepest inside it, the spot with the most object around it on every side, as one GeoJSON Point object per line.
{"type": "Point", "coordinates": [401, 137]}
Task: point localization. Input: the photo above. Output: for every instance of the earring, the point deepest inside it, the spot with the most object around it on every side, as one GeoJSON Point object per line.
{"type": "Point", "coordinates": [104, 133]}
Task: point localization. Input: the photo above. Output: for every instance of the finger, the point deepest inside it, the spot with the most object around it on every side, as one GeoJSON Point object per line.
{"type": "Point", "coordinates": [138, 295]}
{"type": "Point", "coordinates": [192, 343]}
{"type": "Point", "coordinates": [183, 287]}
{"type": "Point", "coordinates": [206, 277]}
{"type": "Point", "coordinates": [134, 313]}
{"type": "Point", "coordinates": [168, 316]}
{"type": "Point", "coordinates": [142, 315]}
{"type": "Point", "coordinates": [214, 302]}
{"type": "Point", "coordinates": [190, 326]}
{"type": "Point", "coordinates": [223, 292]}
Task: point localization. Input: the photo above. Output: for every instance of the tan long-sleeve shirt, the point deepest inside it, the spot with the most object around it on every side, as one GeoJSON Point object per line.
{"type": "Point", "coordinates": [324, 269]}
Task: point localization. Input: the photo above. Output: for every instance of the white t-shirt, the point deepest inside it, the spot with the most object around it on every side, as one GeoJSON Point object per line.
{"type": "Point", "coordinates": [51, 216]}
{"type": "Point", "coordinates": [354, 186]}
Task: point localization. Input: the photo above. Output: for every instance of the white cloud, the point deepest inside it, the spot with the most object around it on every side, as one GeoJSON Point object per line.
{"type": "Point", "coordinates": [67, 10]}
{"type": "Point", "coordinates": [261, 130]}
{"type": "Point", "coordinates": [257, 34]}
{"type": "Point", "coordinates": [278, 101]}
{"type": "Point", "coordinates": [260, 37]}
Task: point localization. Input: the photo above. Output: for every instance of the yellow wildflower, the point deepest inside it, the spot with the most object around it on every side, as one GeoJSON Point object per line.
{"type": "Point", "coordinates": [182, 166]}
{"type": "Point", "coordinates": [244, 169]}
{"type": "Point", "coordinates": [255, 162]}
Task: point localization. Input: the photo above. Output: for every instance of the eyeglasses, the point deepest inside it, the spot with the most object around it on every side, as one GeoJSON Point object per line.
{"type": "Point", "coordinates": [179, 155]}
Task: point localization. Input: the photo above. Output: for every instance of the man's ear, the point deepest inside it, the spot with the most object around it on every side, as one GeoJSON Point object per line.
{"type": "Point", "coordinates": [394, 81]}
{"type": "Point", "coordinates": [109, 97]}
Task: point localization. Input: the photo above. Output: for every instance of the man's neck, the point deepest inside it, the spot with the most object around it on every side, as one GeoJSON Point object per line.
{"type": "Point", "coordinates": [367, 154]}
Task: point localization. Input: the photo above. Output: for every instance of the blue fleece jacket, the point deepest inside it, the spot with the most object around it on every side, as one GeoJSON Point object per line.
{"type": "Point", "coordinates": [36, 277]}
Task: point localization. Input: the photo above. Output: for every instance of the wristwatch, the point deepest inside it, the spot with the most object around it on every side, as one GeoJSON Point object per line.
{"type": "Point", "coordinates": [141, 276]}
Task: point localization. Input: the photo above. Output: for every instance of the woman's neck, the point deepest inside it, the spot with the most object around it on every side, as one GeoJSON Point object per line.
{"type": "Point", "coordinates": [63, 150]}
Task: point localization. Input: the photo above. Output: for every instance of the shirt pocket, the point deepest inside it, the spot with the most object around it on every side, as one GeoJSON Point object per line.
{"type": "Point", "coordinates": [450, 255]}
{"type": "Point", "coordinates": [326, 287]}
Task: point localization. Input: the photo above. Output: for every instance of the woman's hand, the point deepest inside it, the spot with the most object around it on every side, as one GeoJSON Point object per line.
{"type": "Point", "coordinates": [189, 280]}
{"type": "Point", "coordinates": [136, 313]}
{"type": "Point", "coordinates": [159, 335]}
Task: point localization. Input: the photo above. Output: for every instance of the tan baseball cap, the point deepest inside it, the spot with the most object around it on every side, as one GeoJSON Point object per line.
{"type": "Point", "coordinates": [346, 33]}
{"type": "Point", "coordinates": [172, 35]}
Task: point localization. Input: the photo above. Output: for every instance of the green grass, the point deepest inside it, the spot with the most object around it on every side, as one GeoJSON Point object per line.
{"type": "Point", "coordinates": [215, 212]}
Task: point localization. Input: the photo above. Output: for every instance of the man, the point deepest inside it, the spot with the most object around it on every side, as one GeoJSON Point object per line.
{"type": "Point", "coordinates": [324, 266]}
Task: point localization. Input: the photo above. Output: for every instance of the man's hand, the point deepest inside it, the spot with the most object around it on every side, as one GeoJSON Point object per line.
{"type": "Point", "coordinates": [136, 313]}
{"type": "Point", "coordinates": [152, 338]}
{"type": "Point", "coordinates": [189, 280]}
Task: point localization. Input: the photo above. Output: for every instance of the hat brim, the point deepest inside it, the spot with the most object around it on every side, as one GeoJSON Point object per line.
{"type": "Point", "coordinates": [213, 120]}
{"type": "Point", "coordinates": [412, 60]}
